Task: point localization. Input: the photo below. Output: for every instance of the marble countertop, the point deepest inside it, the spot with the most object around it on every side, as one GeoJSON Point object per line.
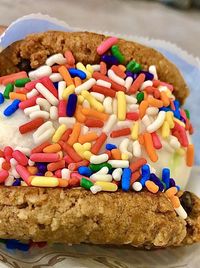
{"type": "Point", "coordinates": [143, 18]}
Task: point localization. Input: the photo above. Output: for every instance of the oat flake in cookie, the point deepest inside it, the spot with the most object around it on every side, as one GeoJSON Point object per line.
{"type": "Point", "coordinates": [95, 146]}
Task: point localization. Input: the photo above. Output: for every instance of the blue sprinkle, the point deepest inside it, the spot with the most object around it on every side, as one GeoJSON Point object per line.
{"type": "Point", "coordinates": [55, 84]}
{"type": "Point", "coordinates": [17, 182]}
{"type": "Point", "coordinates": [109, 59]}
{"type": "Point", "coordinates": [11, 244]}
{"type": "Point", "coordinates": [157, 181]}
{"type": "Point", "coordinates": [71, 105]}
{"type": "Point", "coordinates": [178, 187]}
{"type": "Point", "coordinates": [126, 179]}
{"type": "Point", "coordinates": [23, 247]}
{"type": "Point", "coordinates": [12, 108]}
{"type": "Point", "coordinates": [75, 72]}
{"type": "Point", "coordinates": [85, 171]}
{"type": "Point", "coordinates": [133, 75]}
{"type": "Point", "coordinates": [145, 174]}
{"type": "Point", "coordinates": [172, 183]}
{"type": "Point", "coordinates": [177, 106]}
{"type": "Point", "coordinates": [110, 146]}
{"type": "Point", "coordinates": [1, 98]}
{"type": "Point", "coordinates": [166, 177]}
{"type": "Point", "coordinates": [166, 109]}
{"type": "Point", "coordinates": [148, 76]}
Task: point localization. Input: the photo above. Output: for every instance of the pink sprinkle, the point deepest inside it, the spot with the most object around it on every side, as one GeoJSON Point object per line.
{"type": "Point", "coordinates": [106, 44]}
{"type": "Point", "coordinates": [8, 153]}
{"type": "Point", "coordinates": [79, 176]}
{"type": "Point", "coordinates": [62, 108]}
{"type": "Point", "coordinates": [30, 102]}
{"type": "Point", "coordinates": [58, 173]}
{"type": "Point", "coordinates": [46, 81]}
{"type": "Point", "coordinates": [156, 141]}
{"type": "Point", "coordinates": [20, 158]}
{"type": "Point", "coordinates": [171, 88]}
{"type": "Point", "coordinates": [3, 175]}
{"type": "Point", "coordinates": [182, 133]}
{"type": "Point", "coordinates": [24, 174]}
{"type": "Point", "coordinates": [45, 157]}
{"type": "Point", "coordinates": [31, 85]}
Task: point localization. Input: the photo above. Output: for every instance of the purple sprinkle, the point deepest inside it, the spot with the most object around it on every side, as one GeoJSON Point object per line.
{"type": "Point", "coordinates": [42, 167]}
{"type": "Point", "coordinates": [17, 182]}
{"type": "Point", "coordinates": [183, 119]}
{"type": "Point", "coordinates": [133, 75]}
{"type": "Point", "coordinates": [172, 183]}
{"type": "Point", "coordinates": [148, 76]}
{"type": "Point", "coordinates": [40, 174]}
{"type": "Point", "coordinates": [157, 181]}
{"type": "Point", "coordinates": [109, 59]}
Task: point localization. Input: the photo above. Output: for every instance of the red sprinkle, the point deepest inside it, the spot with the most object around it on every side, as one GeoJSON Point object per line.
{"type": "Point", "coordinates": [40, 148]}
{"type": "Point", "coordinates": [104, 90]}
{"type": "Point", "coordinates": [96, 147]}
{"type": "Point", "coordinates": [31, 125]}
{"type": "Point", "coordinates": [94, 123]}
{"type": "Point", "coordinates": [46, 81]}
{"type": "Point", "coordinates": [20, 157]}
{"type": "Point", "coordinates": [132, 116]}
{"type": "Point", "coordinates": [120, 132]}
{"type": "Point", "coordinates": [156, 141]}
{"type": "Point", "coordinates": [137, 83]}
{"type": "Point", "coordinates": [62, 108]}
{"type": "Point", "coordinates": [137, 164]}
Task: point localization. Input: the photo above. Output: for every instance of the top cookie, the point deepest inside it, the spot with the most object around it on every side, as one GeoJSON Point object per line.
{"type": "Point", "coordinates": [33, 51]}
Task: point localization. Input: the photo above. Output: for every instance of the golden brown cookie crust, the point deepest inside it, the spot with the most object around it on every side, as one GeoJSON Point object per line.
{"type": "Point", "coordinates": [37, 47]}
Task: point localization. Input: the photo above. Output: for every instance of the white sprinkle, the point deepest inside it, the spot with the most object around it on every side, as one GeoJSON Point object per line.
{"type": "Point", "coordinates": [42, 114]}
{"type": "Point", "coordinates": [96, 67]}
{"type": "Point", "coordinates": [44, 104]}
{"type": "Point", "coordinates": [53, 113]}
{"type": "Point", "coordinates": [102, 171]}
{"type": "Point", "coordinates": [152, 111]}
{"type": "Point", "coordinates": [32, 93]}
{"type": "Point", "coordinates": [146, 120]}
{"type": "Point", "coordinates": [61, 87]}
{"type": "Point", "coordinates": [98, 96]}
{"type": "Point", "coordinates": [157, 123]}
{"type": "Point", "coordinates": [45, 136]}
{"type": "Point", "coordinates": [56, 77]}
{"type": "Point", "coordinates": [152, 70]}
{"type": "Point", "coordinates": [128, 82]}
{"type": "Point", "coordinates": [123, 124]}
{"type": "Point", "coordinates": [40, 72]}
{"type": "Point", "coordinates": [117, 174]}
{"type": "Point", "coordinates": [107, 104]}
{"type": "Point", "coordinates": [84, 130]}
{"type": "Point", "coordinates": [95, 189]}
{"type": "Point", "coordinates": [110, 123]}
{"type": "Point", "coordinates": [14, 172]}
{"type": "Point", "coordinates": [43, 128]}
{"type": "Point", "coordinates": [103, 83]}
{"type": "Point", "coordinates": [167, 146]}
{"type": "Point", "coordinates": [85, 104]}
{"type": "Point", "coordinates": [13, 162]}
{"type": "Point", "coordinates": [47, 94]}
{"type": "Point", "coordinates": [68, 121]}
{"type": "Point", "coordinates": [101, 177]}
{"type": "Point", "coordinates": [9, 181]}
{"type": "Point", "coordinates": [131, 99]}
{"type": "Point", "coordinates": [56, 59]}
{"type": "Point", "coordinates": [133, 107]}
{"type": "Point", "coordinates": [137, 149]}
{"type": "Point", "coordinates": [181, 212]}
{"type": "Point", "coordinates": [123, 147]}
{"type": "Point", "coordinates": [98, 159]}
{"type": "Point", "coordinates": [145, 84]}
{"type": "Point", "coordinates": [31, 163]}
{"type": "Point", "coordinates": [85, 86]}
{"type": "Point", "coordinates": [119, 163]}
{"type": "Point", "coordinates": [114, 106]}
{"type": "Point", "coordinates": [65, 173]}
{"type": "Point", "coordinates": [116, 78]}
{"type": "Point", "coordinates": [31, 109]}
{"type": "Point", "coordinates": [137, 186]}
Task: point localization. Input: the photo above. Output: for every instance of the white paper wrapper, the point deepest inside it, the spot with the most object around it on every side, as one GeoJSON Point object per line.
{"type": "Point", "coordinates": [61, 256]}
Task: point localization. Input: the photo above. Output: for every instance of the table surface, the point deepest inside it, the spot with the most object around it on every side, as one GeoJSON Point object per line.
{"type": "Point", "coordinates": [143, 18]}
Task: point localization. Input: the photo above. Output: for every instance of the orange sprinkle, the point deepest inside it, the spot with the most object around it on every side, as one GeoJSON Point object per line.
{"type": "Point", "coordinates": [149, 147]}
{"type": "Point", "coordinates": [122, 67]}
{"type": "Point", "coordinates": [141, 139]}
{"type": "Point", "coordinates": [156, 83]}
{"type": "Point", "coordinates": [137, 83]}
{"type": "Point", "coordinates": [89, 137]}
{"type": "Point", "coordinates": [19, 96]}
{"type": "Point", "coordinates": [137, 164]}
{"type": "Point", "coordinates": [135, 176]}
{"type": "Point", "coordinates": [66, 76]}
{"type": "Point", "coordinates": [171, 191]}
{"type": "Point", "coordinates": [175, 201]}
{"type": "Point", "coordinates": [75, 134]}
{"type": "Point", "coordinates": [94, 113]}
{"type": "Point", "coordinates": [156, 93]}
{"type": "Point", "coordinates": [152, 187]}
{"type": "Point", "coordinates": [32, 170]}
{"type": "Point", "coordinates": [75, 166]}
{"type": "Point", "coordinates": [40, 147]}
{"type": "Point", "coordinates": [190, 155]}
{"type": "Point", "coordinates": [80, 117]}
{"type": "Point", "coordinates": [164, 98]}
{"type": "Point", "coordinates": [96, 147]}
{"type": "Point", "coordinates": [48, 174]}
{"type": "Point", "coordinates": [103, 68]}
{"type": "Point", "coordinates": [70, 151]}
{"type": "Point", "coordinates": [1, 153]}
{"type": "Point", "coordinates": [69, 57]}
{"type": "Point", "coordinates": [77, 81]}
{"type": "Point", "coordinates": [145, 95]}
{"type": "Point", "coordinates": [149, 90]}
{"type": "Point", "coordinates": [155, 102]}
{"type": "Point", "coordinates": [118, 71]}
{"type": "Point", "coordinates": [116, 154]}
{"type": "Point", "coordinates": [6, 165]}
{"type": "Point", "coordinates": [142, 108]}
{"type": "Point", "coordinates": [4, 80]}
{"type": "Point", "coordinates": [66, 135]}
{"type": "Point", "coordinates": [56, 165]}
{"type": "Point", "coordinates": [90, 122]}
{"type": "Point", "coordinates": [21, 90]}
{"type": "Point", "coordinates": [120, 132]}
{"type": "Point", "coordinates": [53, 148]}
{"type": "Point", "coordinates": [63, 182]}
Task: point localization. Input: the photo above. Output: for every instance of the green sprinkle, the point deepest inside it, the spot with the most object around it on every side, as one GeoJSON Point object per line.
{"type": "Point", "coordinates": [133, 67]}
{"type": "Point", "coordinates": [97, 167]}
{"type": "Point", "coordinates": [21, 82]}
{"type": "Point", "coordinates": [187, 113]}
{"type": "Point", "coordinates": [140, 97]}
{"type": "Point", "coordinates": [9, 88]}
{"type": "Point", "coordinates": [86, 183]}
{"type": "Point", "coordinates": [117, 54]}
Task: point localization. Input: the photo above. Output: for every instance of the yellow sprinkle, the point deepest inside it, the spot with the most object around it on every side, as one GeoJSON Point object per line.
{"type": "Point", "coordinates": [67, 91]}
{"type": "Point", "coordinates": [165, 130]}
{"type": "Point", "coordinates": [79, 149]}
{"type": "Point", "coordinates": [23, 183]}
{"type": "Point", "coordinates": [124, 156]}
{"type": "Point", "coordinates": [135, 131]}
{"type": "Point", "coordinates": [170, 119]}
{"type": "Point", "coordinates": [181, 151]}
{"type": "Point", "coordinates": [80, 99]}
{"type": "Point", "coordinates": [168, 93]}
{"type": "Point", "coordinates": [107, 186]}
{"type": "Point", "coordinates": [92, 101]}
{"type": "Point", "coordinates": [48, 174]}
{"type": "Point", "coordinates": [59, 132]}
{"type": "Point", "coordinates": [179, 122]}
{"type": "Point", "coordinates": [43, 181]}
{"type": "Point", "coordinates": [89, 68]}
{"type": "Point", "coordinates": [121, 106]}
{"type": "Point", "coordinates": [87, 146]}
{"type": "Point", "coordinates": [81, 67]}
{"type": "Point", "coordinates": [87, 155]}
